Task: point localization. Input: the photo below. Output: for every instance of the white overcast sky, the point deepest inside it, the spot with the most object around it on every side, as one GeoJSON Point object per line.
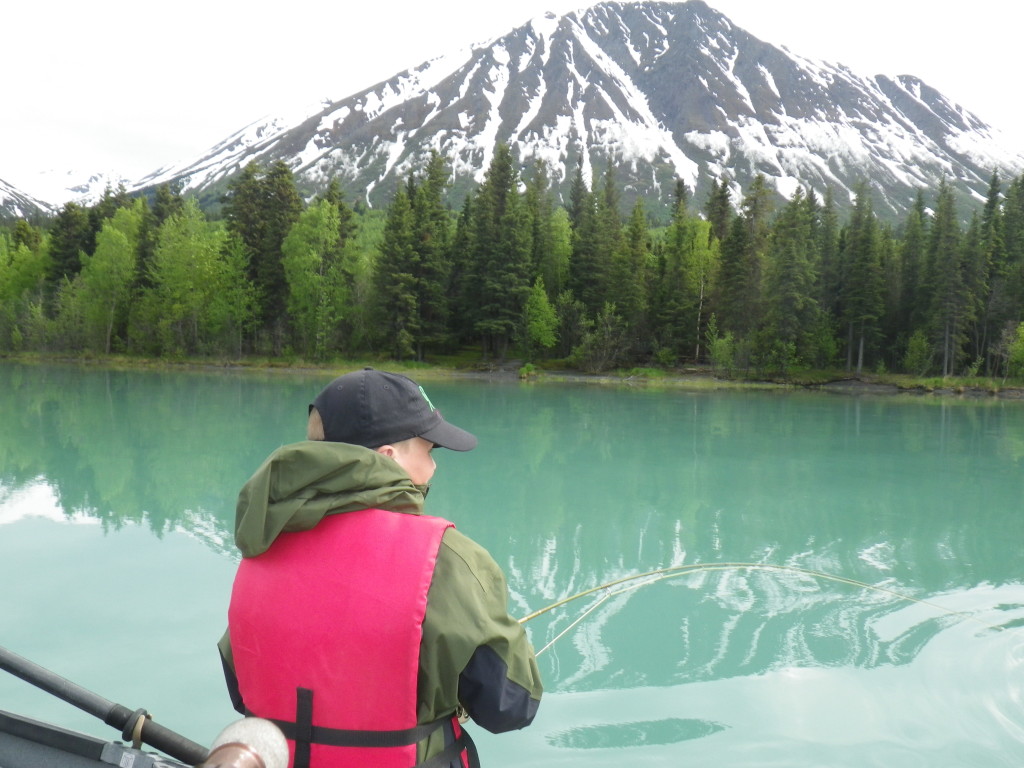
{"type": "Point", "coordinates": [126, 86]}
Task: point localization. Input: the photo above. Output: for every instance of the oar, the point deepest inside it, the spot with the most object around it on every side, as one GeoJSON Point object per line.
{"type": "Point", "coordinates": [133, 724]}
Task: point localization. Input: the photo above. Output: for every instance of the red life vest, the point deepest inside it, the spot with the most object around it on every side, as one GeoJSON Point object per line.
{"type": "Point", "coordinates": [330, 620]}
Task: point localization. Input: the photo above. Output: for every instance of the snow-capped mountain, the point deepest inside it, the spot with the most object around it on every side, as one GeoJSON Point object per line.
{"type": "Point", "coordinates": [661, 90]}
{"type": "Point", "coordinates": [49, 190]}
{"type": "Point", "coordinates": [16, 204]}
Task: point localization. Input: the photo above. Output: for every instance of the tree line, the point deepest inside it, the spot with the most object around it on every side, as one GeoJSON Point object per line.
{"type": "Point", "coordinates": [751, 284]}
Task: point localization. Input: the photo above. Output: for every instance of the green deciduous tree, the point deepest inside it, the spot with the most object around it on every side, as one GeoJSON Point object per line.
{"type": "Point", "coordinates": [201, 300]}
{"type": "Point", "coordinates": [105, 282]}
{"type": "Point", "coordinates": [23, 270]}
{"type": "Point", "coordinates": [539, 320]}
{"type": "Point", "coordinates": [317, 290]}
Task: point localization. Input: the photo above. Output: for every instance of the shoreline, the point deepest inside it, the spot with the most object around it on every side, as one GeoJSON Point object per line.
{"type": "Point", "coordinates": [692, 379]}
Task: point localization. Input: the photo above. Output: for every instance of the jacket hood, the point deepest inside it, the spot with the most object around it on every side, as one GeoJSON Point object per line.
{"type": "Point", "coordinates": [299, 484]}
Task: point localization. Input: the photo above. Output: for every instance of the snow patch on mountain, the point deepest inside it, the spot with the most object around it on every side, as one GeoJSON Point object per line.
{"type": "Point", "coordinates": [662, 91]}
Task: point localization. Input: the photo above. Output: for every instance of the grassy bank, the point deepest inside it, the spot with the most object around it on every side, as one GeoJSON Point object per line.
{"type": "Point", "coordinates": [468, 364]}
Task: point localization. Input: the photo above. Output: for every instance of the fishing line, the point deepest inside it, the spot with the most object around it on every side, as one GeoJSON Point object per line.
{"type": "Point", "coordinates": [650, 577]}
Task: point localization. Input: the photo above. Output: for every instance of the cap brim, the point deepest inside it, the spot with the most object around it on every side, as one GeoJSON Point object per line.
{"type": "Point", "coordinates": [451, 437]}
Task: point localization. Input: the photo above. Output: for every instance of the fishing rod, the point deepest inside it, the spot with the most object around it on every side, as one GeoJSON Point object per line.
{"type": "Point", "coordinates": [635, 581]}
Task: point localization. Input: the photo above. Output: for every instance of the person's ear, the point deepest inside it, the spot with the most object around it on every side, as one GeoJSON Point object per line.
{"type": "Point", "coordinates": [387, 450]}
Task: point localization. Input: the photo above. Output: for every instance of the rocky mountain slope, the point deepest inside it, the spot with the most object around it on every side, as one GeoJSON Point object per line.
{"type": "Point", "coordinates": [659, 90]}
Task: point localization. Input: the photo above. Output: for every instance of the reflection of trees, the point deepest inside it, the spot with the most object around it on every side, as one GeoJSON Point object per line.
{"type": "Point", "coordinates": [163, 449]}
{"type": "Point", "coordinates": [586, 485]}
{"type": "Point", "coordinates": [574, 486]}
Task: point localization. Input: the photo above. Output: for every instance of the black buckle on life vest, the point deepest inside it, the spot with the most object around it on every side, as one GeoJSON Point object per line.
{"type": "Point", "coordinates": [450, 754]}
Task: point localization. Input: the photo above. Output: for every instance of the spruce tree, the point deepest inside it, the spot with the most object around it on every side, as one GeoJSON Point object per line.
{"type": "Point", "coordinates": [281, 207]}
{"type": "Point", "coordinates": [463, 282]}
{"type": "Point", "coordinates": [913, 260]}
{"type": "Point", "coordinates": [950, 305]}
{"type": "Point", "coordinates": [70, 237]}
{"type": "Point", "coordinates": [861, 288]}
{"type": "Point", "coordinates": [995, 305]}
{"type": "Point", "coordinates": [432, 234]}
{"type": "Point", "coordinates": [629, 277]}
{"type": "Point", "coordinates": [718, 208]}
{"type": "Point", "coordinates": [790, 278]}
{"type": "Point", "coordinates": [395, 279]}
{"type": "Point", "coordinates": [260, 208]}
{"type": "Point", "coordinates": [502, 258]}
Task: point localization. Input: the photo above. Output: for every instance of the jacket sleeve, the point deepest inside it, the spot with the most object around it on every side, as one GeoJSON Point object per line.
{"type": "Point", "coordinates": [473, 652]}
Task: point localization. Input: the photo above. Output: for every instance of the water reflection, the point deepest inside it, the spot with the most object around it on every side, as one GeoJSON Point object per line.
{"type": "Point", "coordinates": [571, 488]}
{"type": "Point", "coordinates": [164, 450]}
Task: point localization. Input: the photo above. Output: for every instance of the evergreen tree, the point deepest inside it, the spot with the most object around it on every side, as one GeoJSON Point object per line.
{"type": "Point", "coordinates": [260, 209]}
{"type": "Point", "coordinates": [432, 233]}
{"type": "Point", "coordinates": [597, 237]}
{"type": "Point", "coordinates": [738, 292]}
{"type": "Point", "coordinates": [912, 252]}
{"type": "Point", "coordinates": [890, 264]}
{"type": "Point", "coordinates": [27, 235]}
{"type": "Point", "coordinates": [828, 255]}
{"type": "Point", "coordinates": [579, 197]}
{"type": "Point", "coordinates": [109, 203]}
{"type": "Point", "coordinates": [996, 306]}
{"type": "Point", "coordinates": [790, 278]}
{"type": "Point", "coordinates": [861, 288]}
{"type": "Point", "coordinates": [551, 232]}
{"type": "Point", "coordinates": [950, 305]}
{"type": "Point", "coordinates": [743, 253]}
{"type": "Point", "coordinates": [630, 276]}
{"type": "Point", "coordinates": [463, 282]}
{"type": "Point", "coordinates": [502, 261]}
{"type": "Point", "coordinates": [70, 237]}
{"type": "Point", "coordinates": [281, 208]}
{"type": "Point", "coordinates": [718, 209]}
{"type": "Point", "coordinates": [586, 278]}
{"type": "Point", "coordinates": [395, 279]}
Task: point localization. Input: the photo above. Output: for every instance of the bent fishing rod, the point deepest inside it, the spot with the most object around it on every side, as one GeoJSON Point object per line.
{"type": "Point", "coordinates": [624, 584]}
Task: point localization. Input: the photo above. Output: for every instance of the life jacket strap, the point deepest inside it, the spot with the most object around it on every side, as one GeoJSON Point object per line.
{"type": "Point", "coordinates": [305, 734]}
{"type": "Point", "coordinates": [451, 753]}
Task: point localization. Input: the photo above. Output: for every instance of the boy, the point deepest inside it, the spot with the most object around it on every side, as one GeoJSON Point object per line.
{"type": "Point", "coordinates": [360, 625]}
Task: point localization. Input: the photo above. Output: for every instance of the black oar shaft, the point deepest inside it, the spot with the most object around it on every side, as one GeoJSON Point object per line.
{"type": "Point", "coordinates": [53, 683]}
{"type": "Point", "coordinates": [116, 715]}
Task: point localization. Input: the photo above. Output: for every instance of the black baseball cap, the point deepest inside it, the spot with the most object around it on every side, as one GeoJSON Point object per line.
{"type": "Point", "coordinates": [373, 408]}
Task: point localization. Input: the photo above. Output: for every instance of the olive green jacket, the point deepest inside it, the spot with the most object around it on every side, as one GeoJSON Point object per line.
{"type": "Point", "coordinates": [468, 636]}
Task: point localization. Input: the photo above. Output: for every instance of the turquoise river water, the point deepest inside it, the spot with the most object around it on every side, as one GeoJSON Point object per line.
{"type": "Point", "coordinates": [876, 617]}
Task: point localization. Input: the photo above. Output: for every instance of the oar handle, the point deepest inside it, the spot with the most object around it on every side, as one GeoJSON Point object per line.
{"type": "Point", "coordinates": [120, 717]}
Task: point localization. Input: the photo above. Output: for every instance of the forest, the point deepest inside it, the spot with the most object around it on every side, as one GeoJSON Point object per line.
{"type": "Point", "coordinates": [755, 285]}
